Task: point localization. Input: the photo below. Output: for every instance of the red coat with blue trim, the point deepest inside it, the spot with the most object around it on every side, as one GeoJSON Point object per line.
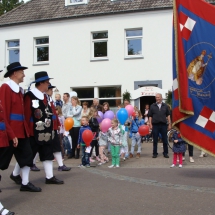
{"type": "Point", "coordinates": [4, 129]}
{"type": "Point", "coordinates": [13, 106]}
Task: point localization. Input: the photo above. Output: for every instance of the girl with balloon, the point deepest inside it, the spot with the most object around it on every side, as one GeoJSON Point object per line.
{"type": "Point", "coordinates": [135, 136]}
{"type": "Point", "coordinates": [106, 107]}
{"type": "Point", "coordinates": [115, 138]}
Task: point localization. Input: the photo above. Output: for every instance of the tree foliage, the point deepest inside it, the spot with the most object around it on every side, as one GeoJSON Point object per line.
{"type": "Point", "coordinates": [126, 96]}
{"type": "Point", "coordinates": [169, 98]}
{"type": "Point", "coordinates": [7, 5]}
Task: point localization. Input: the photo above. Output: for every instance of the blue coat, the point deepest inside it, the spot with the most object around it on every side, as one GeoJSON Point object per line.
{"type": "Point", "coordinates": [135, 124]}
{"type": "Point", "coordinates": [180, 146]}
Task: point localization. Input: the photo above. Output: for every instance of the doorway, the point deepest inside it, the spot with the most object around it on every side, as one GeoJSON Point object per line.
{"type": "Point", "coordinates": [146, 100]}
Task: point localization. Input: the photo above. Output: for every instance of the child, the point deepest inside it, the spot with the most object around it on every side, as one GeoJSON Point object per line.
{"type": "Point", "coordinates": [134, 134]}
{"type": "Point", "coordinates": [115, 138]}
{"type": "Point", "coordinates": [62, 129]}
{"type": "Point", "coordinates": [124, 131]}
{"type": "Point", "coordinates": [85, 161]}
{"type": "Point", "coordinates": [94, 125]}
{"type": "Point", "coordinates": [106, 107]}
{"type": "Point", "coordinates": [58, 101]}
{"type": "Point", "coordinates": [102, 145]}
{"type": "Point", "coordinates": [178, 148]}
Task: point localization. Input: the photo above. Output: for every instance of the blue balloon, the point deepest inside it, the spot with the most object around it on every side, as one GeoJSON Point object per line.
{"type": "Point", "coordinates": [122, 115]}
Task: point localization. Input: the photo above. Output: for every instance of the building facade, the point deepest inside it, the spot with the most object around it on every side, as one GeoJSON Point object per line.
{"type": "Point", "coordinates": [99, 48]}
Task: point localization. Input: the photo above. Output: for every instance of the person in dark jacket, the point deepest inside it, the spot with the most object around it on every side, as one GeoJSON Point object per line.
{"type": "Point", "coordinates": [94, 125]}
{"type": "Point", "coordinates": [159, 117]}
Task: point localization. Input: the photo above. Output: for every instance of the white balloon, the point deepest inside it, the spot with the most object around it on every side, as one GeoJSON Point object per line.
{"type": "Point", "coordinates": [73, 93]}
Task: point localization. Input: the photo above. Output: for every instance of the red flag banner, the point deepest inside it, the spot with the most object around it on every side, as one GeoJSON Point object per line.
{"type": "Point", "coordinates": [193, 106]}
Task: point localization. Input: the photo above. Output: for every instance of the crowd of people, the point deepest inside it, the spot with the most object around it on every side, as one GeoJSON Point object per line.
{"type": "Point", "coordinates": [32, 126]}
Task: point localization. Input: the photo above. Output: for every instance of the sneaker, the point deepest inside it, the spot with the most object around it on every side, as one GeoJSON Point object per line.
{"type": "Point", "coordinates": [6, 211]}
{"type": "Point", "coordinates": [64, 168]}
{"type": "Point", "coordinates": [191, 160]}
{"type": "Point", "coordinates": [91, 160]}
{"type": "Point", "coordinates": [183, 158]}
{"type": "Point", "coordinates": [30, 187]}
{"type": "Point", "coordinates": [81, 166]}
{"type": "Point", "coordinates": [131, 155]}
{"type": "Point", "coordinates": [124, 159]}
{"type": "Point", "coordinates": [101, 163]}
{"type": "Point", "coordinates": [180, 166]}
{"type": "Point", "coordinates": [98, 159]}
{"type": "Point", "coordinates": [117, 166]}
{"type": "Point", "coordinates": [34, 168]}
{"type": "Point", "coordinates": [111, 166]}
{"type": "Point", "coordinates": [87, 166]}
{"type": "Point", "coordinates": [173, 165]}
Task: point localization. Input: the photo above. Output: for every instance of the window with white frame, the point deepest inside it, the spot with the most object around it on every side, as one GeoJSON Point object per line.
{"type": "Point", "coordinates": [133, 42]}
{"type": "Point", "coordinates": [41, 50]}
{"type": "Point", "coordinates": [75, 2]}
{"type": "Point", "coordinates": [13, 51]}
{"type": "Point", "coordinates": [100, 45]}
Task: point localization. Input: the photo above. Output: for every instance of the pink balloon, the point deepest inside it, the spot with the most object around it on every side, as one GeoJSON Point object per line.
{"type": "Point", "coordinates": [130, 109]}
{"type": "Point", "coordinates": [105, 124]}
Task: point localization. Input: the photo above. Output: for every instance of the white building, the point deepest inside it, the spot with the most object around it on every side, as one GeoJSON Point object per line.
{"type": "Point", "coordinates": [98, 48]}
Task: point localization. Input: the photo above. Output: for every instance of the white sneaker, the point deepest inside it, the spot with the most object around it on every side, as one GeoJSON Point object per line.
{"type": "Point", "coordinates": [117, 166]}
{"type": "Point", "coordinates": [173, 165]}
{"type": "Point", "coordinates": [191, 160]}
{"type": "Point", "coordinates": [111, 166]}
{"type": "Point", "coordinates": [180, 166]}
{"type": "Point", "coordinates": [183, 158]}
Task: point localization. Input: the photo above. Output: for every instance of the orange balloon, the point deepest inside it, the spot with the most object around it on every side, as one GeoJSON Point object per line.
{"type": "Point", "coordinates": [68, 123]}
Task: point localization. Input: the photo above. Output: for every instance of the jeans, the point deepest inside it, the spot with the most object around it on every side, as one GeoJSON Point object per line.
{"type": "Point", "coordinates": [135, 139]}
{"type": "Point", "coordinates": [162, 129]}
{"type": "Point", "coordinates": [115, 154]}
{"type": "Point", "coordinates": [85, 160]}
{"type": "Point", "coordinates": [66, 145]}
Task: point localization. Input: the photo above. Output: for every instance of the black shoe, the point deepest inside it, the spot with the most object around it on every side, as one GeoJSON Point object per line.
{"type": "Point", "coordinates": [34, 168]}
{"type": "Point", "coordinates": [64, 168]}
{"type": "Point", "coordinates": [54, 180]}
{"type": "Point", "coordinates": [166, 155]}
{"type": "Point", "coordinates": [154, 156]}
{"type": "Point", "coordinates": [30, 187]}
{"type": "Point", "coordinates": [17, 179]}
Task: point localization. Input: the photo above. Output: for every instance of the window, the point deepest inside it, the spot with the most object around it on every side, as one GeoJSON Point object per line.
{"type": "Point", "coordinates": [133, 46]}
{"type": "Point", "coordinates": [100, 45]}
{"type": "Point", "coordinates": [41, 50]}
{"type": "Point", "coordinates": [12, 51]}
{"type": "Point", "coordinates": [84, 92]}
{"type": "Point", "coordinates": [75, 2]}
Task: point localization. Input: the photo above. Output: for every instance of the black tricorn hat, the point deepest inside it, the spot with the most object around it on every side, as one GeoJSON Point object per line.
{"type": "Point", "coordinates": [50, 86]}
{"type": "Point", "coordinates": [13, 67]}
{"type": "Point", "coordinates": [41, 76]}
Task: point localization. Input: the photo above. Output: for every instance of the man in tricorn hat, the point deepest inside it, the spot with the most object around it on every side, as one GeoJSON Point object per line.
{"type": "Point", "coordinates": [56, 127]}
{"type": "Point", "coordinates": [11, 96]}
{"type": "Point", "coordinates": [38, 114]}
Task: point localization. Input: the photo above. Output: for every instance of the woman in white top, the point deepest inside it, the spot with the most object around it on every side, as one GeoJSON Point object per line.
{"type": "Point", "coordinates": [85, 110]}
{"type": "Point", "coordinates": [146, 113]}
{"type": "Point", "coordinates": [75, 113]}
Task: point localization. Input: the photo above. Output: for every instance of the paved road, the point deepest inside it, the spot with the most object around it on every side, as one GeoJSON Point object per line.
{"type": "Point", "coordinates": [141, 186]}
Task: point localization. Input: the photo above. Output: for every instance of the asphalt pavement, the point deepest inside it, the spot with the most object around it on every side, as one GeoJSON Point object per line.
{"type": "Point", "coordinates": [145, 186]}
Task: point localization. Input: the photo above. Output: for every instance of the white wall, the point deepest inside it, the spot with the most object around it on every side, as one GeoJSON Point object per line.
{"type": "Point", "coordinates": [70, 50]}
